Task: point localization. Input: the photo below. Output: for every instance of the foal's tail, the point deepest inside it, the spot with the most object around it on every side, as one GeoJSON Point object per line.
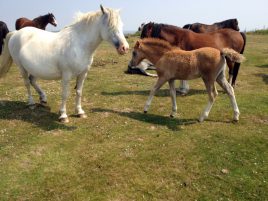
{"type": "Point", "coordinates": [6, 59]}
{"type": "Point", "coordinates": [232, 55]}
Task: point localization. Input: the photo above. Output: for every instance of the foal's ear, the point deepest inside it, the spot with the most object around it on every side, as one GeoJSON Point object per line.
{"type": "Point", "coordinates": [102, 9]}
{"type": "Point", "coordinates": [138, 44]}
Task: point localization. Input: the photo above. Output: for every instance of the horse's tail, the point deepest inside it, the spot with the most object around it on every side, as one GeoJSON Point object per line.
{"type": "Point", "coordinates": [6, 59]}
{"type": "Point", "coordinates": [237, 65]}
{"type": "Point", "coordinates": [232, 55]}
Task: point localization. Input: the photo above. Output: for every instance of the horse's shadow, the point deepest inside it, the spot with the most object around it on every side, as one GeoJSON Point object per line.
{"type": "Point", "coordinates": [263, 66]}
{"type": "Point", "coordinates": [40, 116]}
{"type": "Point", "coordinates": [171, 123]}
{"type": "Point", "coordinates": [160, 93]}
{"type": "Point", "coordinates": [263, 76]}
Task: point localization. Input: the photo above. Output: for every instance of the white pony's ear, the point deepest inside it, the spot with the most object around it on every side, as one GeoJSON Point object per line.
{"type": "Point", "coordinates": [102, 9]}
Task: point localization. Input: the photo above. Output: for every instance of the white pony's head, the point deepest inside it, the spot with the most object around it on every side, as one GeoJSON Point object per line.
{"type": "Point", "coordinates": [112, 31]}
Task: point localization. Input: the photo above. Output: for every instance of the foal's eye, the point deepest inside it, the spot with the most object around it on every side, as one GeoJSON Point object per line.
{"type": "Point", "coordinates": [134, 54]}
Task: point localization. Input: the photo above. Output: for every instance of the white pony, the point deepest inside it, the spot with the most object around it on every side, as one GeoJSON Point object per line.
{"type": "Point", "coordinates": [62, 55]}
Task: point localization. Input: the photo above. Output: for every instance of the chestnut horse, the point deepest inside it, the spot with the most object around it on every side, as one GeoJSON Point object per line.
{"type": "Point", "coordinates": [205, 28]}
{"type": "Point", "coordinates": [3, 32]}
{"type": "Point", "coordinates": [173, 63]}
{"type": "Point", "coordinates": [189, 40]}
{"type": "Point", "coordinates": [40, 22]}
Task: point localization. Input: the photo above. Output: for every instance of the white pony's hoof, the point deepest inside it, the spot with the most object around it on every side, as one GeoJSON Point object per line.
{"type": "Point", "coordinates": [83, 116]}
{"type": "Point", "coordinates": [64, 120]}
{"type": "Point", "coordinates": [201, 119]}
{"type": "Point", "coordinates": [173, 115]}
{"type": "Point", "coordinates": [31, 106]}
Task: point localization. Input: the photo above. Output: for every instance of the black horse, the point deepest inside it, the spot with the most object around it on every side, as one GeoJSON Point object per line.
{"type": "Point", "coordinates": [3, 32]}
{"type": "Point", "coordinates": [204, 28]}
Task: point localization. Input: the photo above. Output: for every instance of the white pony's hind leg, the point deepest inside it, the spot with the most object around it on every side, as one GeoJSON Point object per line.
{"type": "Point", "coordinates": [79, 87]}
{"type": "Point", "coordinates": [65, 93]}
{"type": "Point", "coordinates": [183, 88]}
{"type": "Point", "coordinates": [42, 95]}
{"type": "Point", "coordinates": [25, 77]}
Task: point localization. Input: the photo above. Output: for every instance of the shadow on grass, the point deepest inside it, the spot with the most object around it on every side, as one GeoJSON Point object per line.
{"type": "Point", "coordinates": [41, 117]}
{"type": "Point", "coordinates": [160, 93]}
{"type": "Point", "coordinates": [263, 76]}
{"type": "Point", "coordinates": [263, 66]}
{"type": "Point", "coordinates": [171, 123]}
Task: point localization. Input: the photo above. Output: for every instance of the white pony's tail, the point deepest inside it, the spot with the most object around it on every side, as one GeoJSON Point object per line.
{"type": "Point", "coordinates": [6, 59]}
{"type": "Point", "coordinates": [233, 55]}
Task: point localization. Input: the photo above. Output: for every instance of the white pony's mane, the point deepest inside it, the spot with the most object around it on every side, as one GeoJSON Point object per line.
{"type": "Point", "coordinates": [113, 17]}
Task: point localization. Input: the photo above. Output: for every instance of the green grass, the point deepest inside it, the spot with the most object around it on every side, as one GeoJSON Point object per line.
{"type": "Point", "coordinates": [259, 32]}
{"type": "Point", "coordinates": [119, 153]}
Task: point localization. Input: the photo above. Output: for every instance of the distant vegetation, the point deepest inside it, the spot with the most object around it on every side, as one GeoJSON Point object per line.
{"type": "Point", "coordinates": [259, 31]}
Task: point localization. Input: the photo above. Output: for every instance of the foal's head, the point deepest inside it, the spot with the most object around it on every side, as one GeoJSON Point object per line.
{"type": "Point", "coordinates": [137, 54]}
{"type": "Point", "coordinates": [52, 19]}
{"type": "Point", "coordinates": [112, 29]}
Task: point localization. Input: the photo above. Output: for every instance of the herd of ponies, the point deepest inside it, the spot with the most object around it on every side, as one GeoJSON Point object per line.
{"type": "Point", "coordinates": [194, 51]}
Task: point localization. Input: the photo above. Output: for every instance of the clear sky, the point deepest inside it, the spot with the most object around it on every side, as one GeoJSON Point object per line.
{"type": "Point", "coordinates": [251, 14]}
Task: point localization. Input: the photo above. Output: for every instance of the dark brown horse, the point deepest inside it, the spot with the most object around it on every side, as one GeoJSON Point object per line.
{"type": "Point", "coordinates": [40, 22]}
{"type": "Point", "coordinates": [204, 28]}
{"type": "Point", "coordinates": [3, 32]}
{"type": "Point", "coordinates": [189, 40]}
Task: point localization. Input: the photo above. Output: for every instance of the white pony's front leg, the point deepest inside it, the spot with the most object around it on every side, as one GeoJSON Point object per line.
{"type": "Point", "coordinates": [65, 93]}
{"type": "Point", "coordinates": [184, 87]}
{"type": "Point", "coordinates": [79, 87]}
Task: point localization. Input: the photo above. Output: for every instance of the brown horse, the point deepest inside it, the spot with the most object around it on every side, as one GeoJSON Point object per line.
{"type": "Point", "coordinates": [173, 63]}
{"type": "Point", "coordinates": [189, 40]}
{"type": "Point", "coordinates": [40, 22]}
{"type": "Point", "coordinates": [205, 28]}
{"type": "Point", "coordinates": [3, 32]}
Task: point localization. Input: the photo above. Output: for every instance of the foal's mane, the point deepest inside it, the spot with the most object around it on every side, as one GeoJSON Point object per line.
{"type": "Point", "coordinates": [112, 16]}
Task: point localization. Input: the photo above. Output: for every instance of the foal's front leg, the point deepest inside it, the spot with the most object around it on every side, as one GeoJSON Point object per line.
{"type": "Point", "coordinates": [65, 93]}
{"type": "Point", "coordinates": [173, 97]}
{"type": "Point", "coordinates": [79, 87]}
{"type": "Point", "coordinates": [156, 87]}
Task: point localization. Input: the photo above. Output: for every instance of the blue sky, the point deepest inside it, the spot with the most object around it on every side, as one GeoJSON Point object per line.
{"type": "Point", "coordinates": [250, 14]}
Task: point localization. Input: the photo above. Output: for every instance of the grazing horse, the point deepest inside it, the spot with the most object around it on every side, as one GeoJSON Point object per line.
{"type": "Point", "coordinates": [40, 22]}
{"type": "Point", "coordinates": [3, 32]}
{"type": "Point", "coordinates": [173, 63]}
{"type": "Point", "coordinates": [205, 28]}
{"type": "Point", "coordinates": [189, 40]}
{"type": "Point", "coordinates": [64, 55]}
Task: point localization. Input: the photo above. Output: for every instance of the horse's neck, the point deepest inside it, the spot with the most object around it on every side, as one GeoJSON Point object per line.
{"type": "Point", "coordinates": [154, 53]}
{"type": "Point", "coordinates": [87, 37]}
{"type": "Point", "coordinates": [41, 21]}
{"type": "Point", "coordinates": [174, 36]}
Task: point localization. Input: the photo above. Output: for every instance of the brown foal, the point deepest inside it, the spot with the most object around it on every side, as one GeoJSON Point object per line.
{"type": "Point", "coordinates": [172, 63]}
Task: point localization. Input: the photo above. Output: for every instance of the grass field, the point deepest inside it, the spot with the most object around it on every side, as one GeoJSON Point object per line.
{"type": "Point", "coordinates": [119, 153]}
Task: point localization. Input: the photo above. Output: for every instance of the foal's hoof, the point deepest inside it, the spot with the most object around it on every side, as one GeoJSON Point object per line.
{"type": "Point", "coordinates": [64, 120]}
{"type": "Point", "coordinates": [145, 112]}
{"type": "Point", "coordinates": [83, 116]}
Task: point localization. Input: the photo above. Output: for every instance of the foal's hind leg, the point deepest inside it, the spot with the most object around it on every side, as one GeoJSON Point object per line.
{"type": "Point", "coordinates": [25, 77]}
{"type": "Point", "coordinates": [156, 87]}
{"type": "Point", "coordinates": [42, 95]}
{"type": "Point", "coordinates": [173, 97]}
{"type": "Point", "coordinates": [79, 87]}
{"type": "Point", "coordinates": [212, 93]}
{"type": "Point", "coordinates": [230, 91]}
